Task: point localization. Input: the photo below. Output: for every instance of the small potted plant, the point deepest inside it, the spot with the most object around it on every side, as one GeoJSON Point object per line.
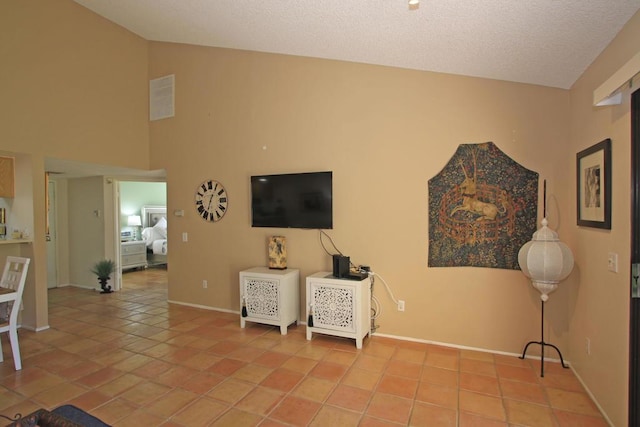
{"type": "Point", "coordinates": [103, 270]}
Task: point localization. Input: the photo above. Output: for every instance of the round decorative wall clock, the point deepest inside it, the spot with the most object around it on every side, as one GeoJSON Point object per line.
{"type": "Point", "coordinates": [211, 200]}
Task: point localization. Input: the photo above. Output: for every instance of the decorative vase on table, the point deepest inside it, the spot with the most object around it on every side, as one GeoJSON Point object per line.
{"type": "Point", "coordinates": [277, 253]}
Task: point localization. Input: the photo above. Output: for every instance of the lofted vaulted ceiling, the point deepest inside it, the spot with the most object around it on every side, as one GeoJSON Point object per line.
{"type": "Point", "coordinates": [543, 42]}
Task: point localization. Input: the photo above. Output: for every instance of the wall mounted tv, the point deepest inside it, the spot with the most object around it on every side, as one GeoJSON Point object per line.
{"type": "Point", "coordinates": [296, 200]}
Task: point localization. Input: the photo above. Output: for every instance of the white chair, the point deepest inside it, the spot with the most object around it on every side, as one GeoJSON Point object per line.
{"type": "Point", "coordinates": [11, 289]}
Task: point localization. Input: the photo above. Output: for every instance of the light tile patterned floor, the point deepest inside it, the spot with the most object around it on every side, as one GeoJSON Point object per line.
{"type": "Point", "coordinates": [132, 359]}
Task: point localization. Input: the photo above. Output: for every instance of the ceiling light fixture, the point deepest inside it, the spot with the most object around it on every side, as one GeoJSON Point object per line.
{"type": "Point", "coordinates": [414, 2]}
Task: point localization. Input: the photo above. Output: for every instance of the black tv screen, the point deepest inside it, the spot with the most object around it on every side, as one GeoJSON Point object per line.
{"type": "Point", "coordinates": [297, 200]}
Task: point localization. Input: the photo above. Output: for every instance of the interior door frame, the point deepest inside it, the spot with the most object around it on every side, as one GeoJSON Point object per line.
{"type": "Point", "coordinates": [52, 232]}
{"type": "Point", "coordinates": [634, 309]}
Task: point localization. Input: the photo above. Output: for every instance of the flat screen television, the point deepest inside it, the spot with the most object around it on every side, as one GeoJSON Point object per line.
{"type": "Point", "coordinates": [296, 200]}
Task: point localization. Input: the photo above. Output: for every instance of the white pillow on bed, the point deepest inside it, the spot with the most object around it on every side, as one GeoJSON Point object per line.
{"type": "Point", "coordinates": [146, 234]}
{"type": "Point", "coordinates": [157, 232]}
{"type": "Point", "coordinates": [160, 229]}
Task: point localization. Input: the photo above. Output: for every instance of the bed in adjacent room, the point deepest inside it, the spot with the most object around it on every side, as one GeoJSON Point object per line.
{"type": "Point", "coordinates": [154, 233]}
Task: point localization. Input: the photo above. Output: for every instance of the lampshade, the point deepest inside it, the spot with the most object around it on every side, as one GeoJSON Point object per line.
{"type": "Point", "coordinates": [545, 260]}
{"type": "Point", "coordinates": [134, 221]}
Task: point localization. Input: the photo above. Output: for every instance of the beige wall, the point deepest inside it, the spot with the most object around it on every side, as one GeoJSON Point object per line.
{"type": "Point", "coordinates": [77, 84]}
{"type": "Point", "coordinates": [77, 89]}
{"type": "Point", "coordinates": [384, 133]}
{"type": "Point", "coordinates": [600, 297]}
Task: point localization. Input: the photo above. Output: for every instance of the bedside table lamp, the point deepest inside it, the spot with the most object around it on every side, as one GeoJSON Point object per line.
{"type": "Point", "coordinates": [134, 221]}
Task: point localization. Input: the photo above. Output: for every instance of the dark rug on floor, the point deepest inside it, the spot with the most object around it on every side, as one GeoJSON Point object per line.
{"type": "Point", "coordinates": [63, 416]}
{"type": "Point", "coordinates": [79, 416]}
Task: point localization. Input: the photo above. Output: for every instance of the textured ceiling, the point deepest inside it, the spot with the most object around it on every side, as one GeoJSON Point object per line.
{"type": "Point", "coordinates": [544, 42]}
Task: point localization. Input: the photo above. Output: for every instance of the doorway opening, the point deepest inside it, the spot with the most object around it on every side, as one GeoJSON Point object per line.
{"type": "Point", "coordinates": [142, 224]}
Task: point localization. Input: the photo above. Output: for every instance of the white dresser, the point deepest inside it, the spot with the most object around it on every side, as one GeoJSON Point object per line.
{"type": "Point", "coordinates": [339, 307]}
{"type": "Point", "coordinates": [270, 296]}
{"type": "Point", "coordinates": [133, 254]}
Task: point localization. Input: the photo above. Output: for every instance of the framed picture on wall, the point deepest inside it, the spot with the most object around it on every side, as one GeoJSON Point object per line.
{"type": "Point", "coordinates": [594, 185]}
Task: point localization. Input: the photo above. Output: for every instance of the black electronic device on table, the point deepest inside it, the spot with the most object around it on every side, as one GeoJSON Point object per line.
{"type": "Point", "coordinates": [341, 269]}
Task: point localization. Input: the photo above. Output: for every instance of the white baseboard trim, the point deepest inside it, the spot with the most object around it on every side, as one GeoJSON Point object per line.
{"type": "Point", "coordinates": [204, 307]}
{"type": "Point", "coordinates": [93, 288]}
{"type": "Point", "coordinates": [464, 347]}
{"type": "Point", "coordinates": [31, 328]}
{"type": "Point", "coordinates": [604, 414]}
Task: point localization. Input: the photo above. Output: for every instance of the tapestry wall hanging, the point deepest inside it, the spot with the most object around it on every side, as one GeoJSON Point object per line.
{"type": "Point", "coordinates": [483, 206]}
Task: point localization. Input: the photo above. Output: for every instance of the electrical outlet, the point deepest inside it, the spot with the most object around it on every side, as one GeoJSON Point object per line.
{"type": "Point", "coordinates": [205, 284]}
{"type": "Point", "coordinates": [587, 343]}
{"type": "Point", "coordinates": [185, 237]}
{"type": "Point", "coordinates": [400, 305]}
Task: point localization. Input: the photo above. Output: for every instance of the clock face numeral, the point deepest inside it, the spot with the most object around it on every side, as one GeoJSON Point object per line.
{"type": "Point", "coordinates": [211, 200]}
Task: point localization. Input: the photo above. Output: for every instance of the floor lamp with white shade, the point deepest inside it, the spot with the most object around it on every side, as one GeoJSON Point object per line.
{"type": "Point", "coordinates": [546, 261]}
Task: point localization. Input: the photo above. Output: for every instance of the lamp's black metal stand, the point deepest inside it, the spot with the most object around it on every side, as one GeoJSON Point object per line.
{"type": "Point", "coordinates": [543, 344]}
